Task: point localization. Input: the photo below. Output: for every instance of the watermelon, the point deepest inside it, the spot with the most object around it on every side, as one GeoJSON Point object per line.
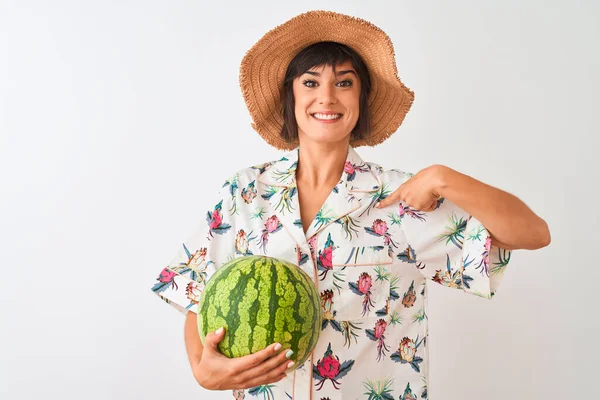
{"type": "Point", "coordinates": [261, 300]}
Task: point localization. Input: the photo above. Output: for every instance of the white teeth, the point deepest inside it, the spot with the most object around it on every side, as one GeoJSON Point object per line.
{"type": "Point", "coordinates": [327, 116]}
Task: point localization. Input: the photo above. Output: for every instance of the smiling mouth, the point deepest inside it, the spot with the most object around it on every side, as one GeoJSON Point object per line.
{"type": "Point", "coordinates": [326, 117]}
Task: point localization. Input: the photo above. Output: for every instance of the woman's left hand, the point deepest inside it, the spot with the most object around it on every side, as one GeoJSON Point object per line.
{"type": "Point", "coordinates": [420, 192]}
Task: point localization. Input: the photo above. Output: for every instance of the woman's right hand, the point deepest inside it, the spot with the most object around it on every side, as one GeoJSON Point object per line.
{"type": "Point", "coordinates": [217, 372]}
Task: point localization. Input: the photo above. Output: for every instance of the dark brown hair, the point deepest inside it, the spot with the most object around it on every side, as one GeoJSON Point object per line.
{"type": "Point", "coordinates": [317, 55]}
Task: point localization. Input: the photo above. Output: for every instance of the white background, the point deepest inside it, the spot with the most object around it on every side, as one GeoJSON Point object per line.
{"type": "Point", "coordinates": [116, 118]}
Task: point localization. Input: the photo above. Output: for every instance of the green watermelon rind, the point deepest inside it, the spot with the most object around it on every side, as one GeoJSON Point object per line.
{"type": "Point", "coordinates": [295, 319]}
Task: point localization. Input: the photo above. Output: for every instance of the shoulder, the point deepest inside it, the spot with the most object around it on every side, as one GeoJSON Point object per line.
{"type": "Point", "coordinates": [246, 176]}
{"type": "Point", "coordinates": [389, 177]}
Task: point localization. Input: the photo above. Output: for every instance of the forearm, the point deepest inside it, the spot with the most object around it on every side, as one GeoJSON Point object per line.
{"type": "Point", "coordinates": [511, 223]}
{"type": "Point", "coordinates": [193, 344]}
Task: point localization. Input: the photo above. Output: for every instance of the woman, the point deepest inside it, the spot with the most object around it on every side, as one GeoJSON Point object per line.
{"type": "Point", "coordinates": [320, 85]}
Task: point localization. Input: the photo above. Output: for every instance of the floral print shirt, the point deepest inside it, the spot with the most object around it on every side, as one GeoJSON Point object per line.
{"type": "Point", "coordinates": [370, 266]}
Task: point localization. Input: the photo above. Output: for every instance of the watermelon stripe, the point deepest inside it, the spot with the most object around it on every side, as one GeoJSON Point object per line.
{"type": "Point", "coordinates": [261, 300]}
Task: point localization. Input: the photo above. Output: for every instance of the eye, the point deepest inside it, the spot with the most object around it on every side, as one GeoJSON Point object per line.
{"type": "Point", "coordinates": [345, 83]}
{"type": "Point", "coordinates": [309, 83]}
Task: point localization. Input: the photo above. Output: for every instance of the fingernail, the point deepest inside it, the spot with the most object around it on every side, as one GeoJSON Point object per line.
{"type": "Point", "coordinates": [218, 331]}
{"type": "Point", "coordinates": [290, 364]}
{"type": "Point", "coordinates": [377, 205]}
{"type": "Point", "coordinates": [289, 353]}
{"type": "Point", "coordinates": [277, 346]}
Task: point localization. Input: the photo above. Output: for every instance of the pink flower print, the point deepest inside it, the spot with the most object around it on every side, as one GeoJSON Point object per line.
{"type": "Point", "coordinates": [363, 288]}
{"type": "Point", "coordinates": [330, 368]}
{"type": "Point", "coordinates": [325, 263]}
{"type": "Point", "coordinates": [348, 168]}
{"type": "Point", "coordinates": [416, 214]}
{"type": "Point", "coordinates": [488, 243]}
{"type": "Point", "coordinates": [193, 292]}
{"type": "Point", "coordinates": [215, 221]}
{"type": "Point", "coordinates": [325, 258]}
{"type": "Point", "coordinates": [351, 169]}
{"type": "Point", "coordinates": [377, 334]}
{"type": "Point", "coordinates": [380, 228]}
{"type": "Point", "coordinates": [364, 283]}
{"type": "Point", "coordinates": [380, 328]}
{"type": "Point", "coordinates": [168, 276]}
{"type": "Point", "coordinates": [271, 226]}
{"type": "Point", "coordinates": [485, 261]}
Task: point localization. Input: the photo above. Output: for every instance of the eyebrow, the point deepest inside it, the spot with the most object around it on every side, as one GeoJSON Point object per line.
{"type": "Point", "coordinates": [338, 73]}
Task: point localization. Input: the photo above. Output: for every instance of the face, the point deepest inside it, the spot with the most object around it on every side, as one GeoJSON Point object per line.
{"type": "Point", "coordinates": [327, 103]}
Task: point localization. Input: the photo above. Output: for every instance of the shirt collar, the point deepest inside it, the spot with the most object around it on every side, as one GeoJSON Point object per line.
{"type": "Point", "coordinates": [357, 175]}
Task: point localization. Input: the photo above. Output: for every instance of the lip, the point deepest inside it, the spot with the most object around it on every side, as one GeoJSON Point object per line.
{"type": "Point", "coordinates": [326, 121]}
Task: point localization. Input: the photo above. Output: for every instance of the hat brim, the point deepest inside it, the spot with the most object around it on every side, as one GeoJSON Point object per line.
{"type": "Point", "coordinates": [263, 69]}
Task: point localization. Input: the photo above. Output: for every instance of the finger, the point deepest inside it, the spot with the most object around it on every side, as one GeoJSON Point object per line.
{"type": "Point", "coordinates": [247, 362]}
{"type": "Point", "coordinates": [280, 361]}
{"type": "Point", "coordinates": [213, 338]}
{"type": "Point", "coordinates": [391, 199]}
{"type": "Point", "coordinates": [271, 376]}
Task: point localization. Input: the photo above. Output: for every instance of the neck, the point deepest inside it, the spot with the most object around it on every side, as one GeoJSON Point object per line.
{"type": "Point", "coordinates": [321, 164]}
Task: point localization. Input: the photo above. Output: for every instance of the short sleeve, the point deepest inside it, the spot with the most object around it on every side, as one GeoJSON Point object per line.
{"type": "Point", "coordinates": [181, 282]}
{"type": "Point", "coordinates": [452, 248]}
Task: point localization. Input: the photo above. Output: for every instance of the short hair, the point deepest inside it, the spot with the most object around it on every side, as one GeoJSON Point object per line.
{"type": "Point", "coordinates": [317, 55]}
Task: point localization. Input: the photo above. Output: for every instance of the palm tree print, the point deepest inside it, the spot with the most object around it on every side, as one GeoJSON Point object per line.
{"type": "Point", "coordinates": [349, 226]}
{"type": "Point", "coordinates": [324, 216]}
{"type": "Point", "coordinates": [287, 175]}
{"type": "Point", "coordinates": [285, 199]}
{"type": "Point", "coordinates": [382, 192]}
{"type": "Point", "coordinates": [349, 331]}
{"type": "Point", "coordinates": [419, 316]}
{"type": "Point", "coordinates": [258, 213]}
{"type": "Point", "coordinates": [265, 390]}
{"type": "Point", "coordinates": [379, 390]}
{"type": "Point", "coordinates": [455, 232]}
{"type": "Point", "coordinates": [453, 279]}
{"type": "Point", "coordinates": [233, 187]}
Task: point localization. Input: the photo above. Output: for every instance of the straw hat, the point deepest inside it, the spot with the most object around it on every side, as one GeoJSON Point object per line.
{"type": "Point", "coordinates": [263, 70]}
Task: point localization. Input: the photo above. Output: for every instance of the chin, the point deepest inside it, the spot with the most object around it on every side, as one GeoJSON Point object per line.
{"type": "Point", "coordinates": [326, 137]}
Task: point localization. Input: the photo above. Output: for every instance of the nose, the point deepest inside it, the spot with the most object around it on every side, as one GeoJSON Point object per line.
{"type": "Point", "coordinates": [327, 95]}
